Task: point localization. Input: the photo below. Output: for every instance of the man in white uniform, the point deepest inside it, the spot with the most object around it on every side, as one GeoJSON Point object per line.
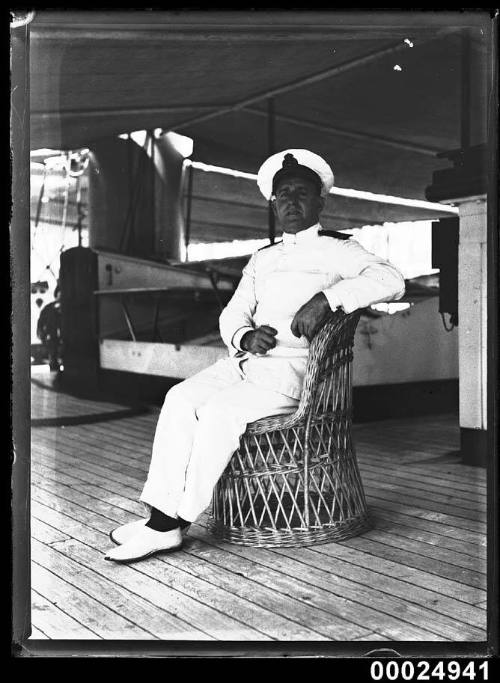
{"type": "Point", "coordinates": [286, 292]}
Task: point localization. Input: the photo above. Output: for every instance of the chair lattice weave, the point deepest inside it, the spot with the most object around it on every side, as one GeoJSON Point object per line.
{"type": "Point", "coordinates": [294, 479]}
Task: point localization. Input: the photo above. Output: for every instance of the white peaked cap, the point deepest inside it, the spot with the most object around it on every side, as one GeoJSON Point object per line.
{"type": "Point", "coordinates": [305, 158]}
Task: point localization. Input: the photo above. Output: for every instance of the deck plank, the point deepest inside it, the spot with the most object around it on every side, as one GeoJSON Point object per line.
{"type": "Point", "coordinates": [398, 567]}
{"type": "Point", "coordinates": [459, 631]}
{"type": "Point", "coordinates": [93, 452]}
{"type": "Point", "coordinates": [36, 634]}
{"type": "Point", "coordinates": [48, 488]}
{"type": "Point", "coordinates": [92, 613]}
{"type": "Point", "coordinates": [133, 454]}
{"type": "Point", "coordinates": [415, 560]}
{"type": "Point", "coordinates": [270, 624]}
{"type": "Point", "coordinates": [231, 581]}
{"type": "Point", "coordinates": [363, 585]}
{"type": "Point", "coordinates": [346, 565]}
{"type": "Point", "coordinates": [197, 615]}
{"type": "Point", "coordinates": [98, 466]}
{"type": "Point", "coordinates": [55, 623]}
{"type": "Point", "coordinates": [460, 505]}
{"type": "Point", "coordinates": [464, 505]}
{"type": "Point", "coordinates": [433, 533]}
{"type": "Point", "coordinates": [97, 493]}
{"type": "Point", "coordinates": [425, 509]}
{"type": "Point", "coordinates": [144, 614]}
{"type": "Point", "coordinates": [427, 481]}
{"type": "Point", "coordinates": [82, 477]}
{"type": "Point", "coordinates": [364, 602]}
{"type": "Point", "coordinates": [396, 629]}
{"type": "Point", "coordinates": [451, 472]}
{"type": "Point", "coordinates": [476, 566]}
{"type": "Point", "coordinates": [441, 523]}
{"type": "Point", "coordinates": [419, 574]}
{"type": "Point", "coordinates": [90, 463]}
{"type": "Point", "coordinates": [372, 637]}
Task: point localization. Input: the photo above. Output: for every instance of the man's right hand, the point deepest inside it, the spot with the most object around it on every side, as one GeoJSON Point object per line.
{"type": "Point", "coordinates": [260, 340]}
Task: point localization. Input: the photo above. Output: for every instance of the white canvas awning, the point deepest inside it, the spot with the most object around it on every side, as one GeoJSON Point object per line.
{"type": "Point", "coordinates": [378, 94]}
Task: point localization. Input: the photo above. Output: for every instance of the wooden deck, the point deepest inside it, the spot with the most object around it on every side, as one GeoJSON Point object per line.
{"type": "Point", "coordinates": [419, 575]}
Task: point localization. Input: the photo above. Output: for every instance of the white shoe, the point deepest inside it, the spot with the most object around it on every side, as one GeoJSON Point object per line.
{"type": "Point", "coordinates": [125, 532]}
{"type": "Point", "coordinates": [144, 543]}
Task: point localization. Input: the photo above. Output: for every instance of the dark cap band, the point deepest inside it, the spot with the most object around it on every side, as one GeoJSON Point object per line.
{"type": "Point", "coordinates": [291, 167]}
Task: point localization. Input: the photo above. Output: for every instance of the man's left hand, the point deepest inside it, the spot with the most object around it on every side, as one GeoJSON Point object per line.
{"type": "Point", "coordinates": [310, 316]}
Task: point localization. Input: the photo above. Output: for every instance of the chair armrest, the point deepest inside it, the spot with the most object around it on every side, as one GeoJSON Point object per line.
{"type": "Point", "coordinates": [337, 331]}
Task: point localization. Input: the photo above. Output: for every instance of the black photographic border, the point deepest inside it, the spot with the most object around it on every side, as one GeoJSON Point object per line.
{"type": "Point", "coordinates": [19, 475]}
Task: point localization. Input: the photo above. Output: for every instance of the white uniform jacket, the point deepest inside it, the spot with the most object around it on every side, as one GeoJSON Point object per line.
{"type": "Point", "coordinates": [279, 279]}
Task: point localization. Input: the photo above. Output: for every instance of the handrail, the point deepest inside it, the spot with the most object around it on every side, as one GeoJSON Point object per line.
{"type": "Point", "coordinates": [122, 294]}
{"type": "Point", "coordinates": [142, 290]}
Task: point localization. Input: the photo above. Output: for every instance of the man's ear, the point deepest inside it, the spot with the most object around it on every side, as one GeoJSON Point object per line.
{"type": "Point", "coordinates": [321, 203]}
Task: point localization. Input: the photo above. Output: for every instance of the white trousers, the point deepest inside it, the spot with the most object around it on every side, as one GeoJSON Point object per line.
{"type": "Point", "coordinates": [198, 430]}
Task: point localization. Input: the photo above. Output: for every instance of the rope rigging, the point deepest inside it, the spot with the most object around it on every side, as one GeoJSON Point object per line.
{"type": "Point", "coordinates": [73, 166]}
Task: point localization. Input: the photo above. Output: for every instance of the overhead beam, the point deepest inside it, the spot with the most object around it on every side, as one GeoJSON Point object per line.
{"type": "Point", "coordinates": [303, 123]}
{"type": "Point", "coordinates": [344, 132]}
{"type": "Point", "coordinates": [310, 80]}
{"type": "Point", "coordinates": [165, 33]}
{"type": "Point", "coordinates": [120, 111]}
{"type": "Point", "coordinates": [270, 25]}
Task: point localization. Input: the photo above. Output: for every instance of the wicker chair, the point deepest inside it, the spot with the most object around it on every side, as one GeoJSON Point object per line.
{"type": "Point", "coordinates": [294, 479]}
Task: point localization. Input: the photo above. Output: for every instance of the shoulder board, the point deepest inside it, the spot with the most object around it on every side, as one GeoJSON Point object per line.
{"type": "Point", "coordinates": [334, 233]}
{"type": "Point", "coordinates": [270, 245]}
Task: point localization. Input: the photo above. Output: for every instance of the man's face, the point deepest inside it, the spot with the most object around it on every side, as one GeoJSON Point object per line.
{"type": "Point", "coordinates": [297, 205]}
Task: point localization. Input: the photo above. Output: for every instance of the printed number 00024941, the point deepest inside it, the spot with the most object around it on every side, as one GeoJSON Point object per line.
{"type": "Point", "coordinates": [406, 670]}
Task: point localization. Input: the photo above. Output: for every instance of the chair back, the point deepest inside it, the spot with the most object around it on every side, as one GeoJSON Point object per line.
{"type": "Point", "coordinates": [327, 380]}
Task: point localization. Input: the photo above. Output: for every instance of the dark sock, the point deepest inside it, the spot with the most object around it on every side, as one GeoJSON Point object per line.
{"type": "Point", "coordinates": [159, 521]}
{"type": "Point", "coordinates": [183, 523]}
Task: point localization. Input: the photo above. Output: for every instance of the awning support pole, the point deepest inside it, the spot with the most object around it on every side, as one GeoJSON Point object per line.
{"type": "Point", "coordinates": [270, 149]}
{"type": "Point", "coordinates": [466, 92]}
{"type": "Point", "coordinates": [189, 202]}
